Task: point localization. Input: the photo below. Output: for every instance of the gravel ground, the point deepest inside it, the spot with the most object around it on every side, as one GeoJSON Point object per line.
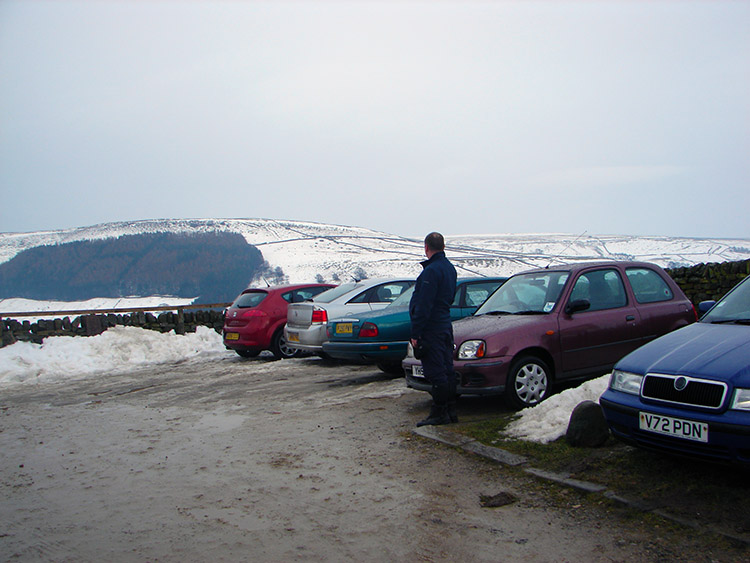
{"type": "Point", "coordinates": [296, 460]}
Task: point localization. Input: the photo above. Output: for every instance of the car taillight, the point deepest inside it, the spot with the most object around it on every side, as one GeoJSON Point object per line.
{"type": "Point", "coordinates": [368, 330]}
{"type": "Point", "coordinates": [254, 313]}
{"type": "Point", "coordinates": [319, 316]}
{"type": "Point", "coordinates": [695, 313]}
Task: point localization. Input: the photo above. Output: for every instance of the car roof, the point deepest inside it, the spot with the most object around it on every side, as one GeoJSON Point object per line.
{"type": "Point", "coordinates": [287, 287]}
{"type": "Point", "coordinates": [363, 285]}
{"type": "Point", "coordinates": [465, 279]}
{"type": "Point", "coordinates": [574, 267]}
{"type": "Point", "coordinates": [369, 282]}
{"type": "Point", "coordinates": [376, 281]}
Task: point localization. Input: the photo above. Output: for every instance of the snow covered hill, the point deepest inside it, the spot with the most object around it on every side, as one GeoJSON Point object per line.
{"type": "Point", "coordinates": [307, 251]}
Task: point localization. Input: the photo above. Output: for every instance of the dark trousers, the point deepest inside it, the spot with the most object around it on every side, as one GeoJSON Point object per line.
{"type": "Point", "coordinates": [437, 365]}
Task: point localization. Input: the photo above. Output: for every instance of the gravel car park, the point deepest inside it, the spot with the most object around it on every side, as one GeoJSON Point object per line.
{"type": "Point", "coordinates": [218, 458]}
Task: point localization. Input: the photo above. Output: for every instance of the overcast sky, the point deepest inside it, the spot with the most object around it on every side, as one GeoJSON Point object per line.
{"type": "Point", "coordinates": [627, 117]}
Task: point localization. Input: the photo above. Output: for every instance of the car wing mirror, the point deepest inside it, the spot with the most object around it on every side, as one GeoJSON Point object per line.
{"type": "Point", "coordinates": [577, 306]}
{"type": "Point", "coordinates": [704, 306]}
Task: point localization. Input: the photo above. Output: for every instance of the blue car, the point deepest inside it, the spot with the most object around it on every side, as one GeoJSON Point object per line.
{"type": "Point", "coordinates": [382, 336]}
{"type": "Point", "coordinates": [688, 392]}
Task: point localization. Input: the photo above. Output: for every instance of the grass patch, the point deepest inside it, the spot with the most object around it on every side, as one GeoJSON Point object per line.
{"type": "Point", "coordinates": [686, 488]}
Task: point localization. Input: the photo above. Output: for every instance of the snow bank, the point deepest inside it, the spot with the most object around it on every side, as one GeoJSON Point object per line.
{"type": "Point", "coordinates": [548, 421]}
{"type": "Point", "coordinates": [66, 357]}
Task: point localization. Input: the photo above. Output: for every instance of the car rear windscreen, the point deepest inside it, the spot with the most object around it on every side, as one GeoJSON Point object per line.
{"type": "Point", "coordinates": [247, 300]}
{"type": "Point", "coordinates": [333, 293]}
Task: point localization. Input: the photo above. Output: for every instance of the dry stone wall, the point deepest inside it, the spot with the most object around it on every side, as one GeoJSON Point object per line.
{"type": "Point", "coordinates": [14, 330]}
{"type": "Point", "coordinates": [705, 282]}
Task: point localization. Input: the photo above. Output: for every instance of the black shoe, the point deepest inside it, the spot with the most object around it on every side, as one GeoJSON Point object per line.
{"type": "Point", "coordinates": [437, 416]}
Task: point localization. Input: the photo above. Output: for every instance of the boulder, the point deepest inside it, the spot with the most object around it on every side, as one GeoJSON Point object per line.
{"type": "Point", "coordinates": [587, 427]}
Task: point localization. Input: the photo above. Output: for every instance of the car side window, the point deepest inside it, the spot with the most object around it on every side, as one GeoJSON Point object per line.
{"type": "Point", "coordinates": [648, 286]}
{"type": "Point", "coordinates": [313, 291]}
{"type": "Point", "coordinates": [361, 297]}
{"type": "Point", "coordinates": [390, 291]}
{"type": "Point", "coordinates": [306, 293]}
{"type": "Point", "coordinates": [477, 293]}
{"type": "Point", "coordinates": [457, 297]}
{"type": "Point", "coordinates": [297, 296]}
{"type": "Point", "coordinates": [602, 288]}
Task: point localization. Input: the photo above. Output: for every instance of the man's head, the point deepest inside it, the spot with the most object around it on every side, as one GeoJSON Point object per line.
{"type": "Point", "coordinates": [434, 242]}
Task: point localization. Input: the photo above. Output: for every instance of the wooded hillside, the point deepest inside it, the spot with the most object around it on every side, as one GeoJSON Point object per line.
{"type": "Point", "coordinates": [215, 267]}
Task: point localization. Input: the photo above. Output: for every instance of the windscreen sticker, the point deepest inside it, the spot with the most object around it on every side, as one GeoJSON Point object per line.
{"type": "Point", "coordinates": [548, 306]}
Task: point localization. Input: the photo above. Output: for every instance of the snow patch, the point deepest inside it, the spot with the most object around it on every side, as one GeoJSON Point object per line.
{"type": "Point", "coordinates": [61, 358]}
{"type": "Point", "coordinates": [548, 421]}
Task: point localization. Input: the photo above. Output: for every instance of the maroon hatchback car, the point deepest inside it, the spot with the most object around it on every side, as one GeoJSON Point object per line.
{"type": "Point", "coordinates": [255, 321]}
{"type": "Point", "coordinates": [560, 323]}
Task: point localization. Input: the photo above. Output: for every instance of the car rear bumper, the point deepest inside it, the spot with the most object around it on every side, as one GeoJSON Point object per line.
{"type": "Point", "coordinates": [243, 340]}
{"type": "Point", "coordinates": [728, 433]}
{"type": "Point", "coordinates": [474, 378]}
{"type": "Point", "coordinates": [309, 339]}
{"type": "Point", "coordinates": [372, 351]}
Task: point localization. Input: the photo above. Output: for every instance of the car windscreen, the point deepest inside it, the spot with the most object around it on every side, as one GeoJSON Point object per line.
{"type": "Point", "coordinates": [536, 292]}
{"type": "Point", "coordinates": [734, 307]}
{"type": "Point", "coordinates": [334, 292]}
{"type": "Point", "coordinates": [250, 299]}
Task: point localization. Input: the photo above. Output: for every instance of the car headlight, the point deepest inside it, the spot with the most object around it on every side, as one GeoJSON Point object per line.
{"type": "Point", "coordinates": [741, 401]}
{"type": "Point", "coordinates": [471, 350]}
{"type": "Point", "coordinates": [626, 382]}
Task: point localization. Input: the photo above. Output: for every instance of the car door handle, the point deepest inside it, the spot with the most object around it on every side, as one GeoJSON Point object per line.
{"type": "Point", "coordinates": [630, 318]}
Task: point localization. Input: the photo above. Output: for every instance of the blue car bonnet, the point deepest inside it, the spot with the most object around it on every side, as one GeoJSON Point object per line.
{"type": "Point", "coordinates": [699, 350]}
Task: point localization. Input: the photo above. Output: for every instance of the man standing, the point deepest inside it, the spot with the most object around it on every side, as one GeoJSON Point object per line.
{"type": "Point", "coordinates": [431, 329]}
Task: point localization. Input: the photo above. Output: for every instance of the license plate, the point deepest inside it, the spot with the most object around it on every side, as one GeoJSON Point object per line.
{"type": "Point", "coordinates": [343, 328]}
{"type": "Point", "coordinates": [688, 429]}
{"type": "Point", "coordinates": [292, 337]}
{"type": "Point", "coordinates": [232, 336]}
{"type": "Point", "coordinates": [417, 371]}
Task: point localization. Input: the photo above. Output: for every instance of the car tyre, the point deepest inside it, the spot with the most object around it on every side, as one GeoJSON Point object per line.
{"type": "Point", "coordinates": [528, 382]}
{"type": "Point", "coordinates": [280, 348]}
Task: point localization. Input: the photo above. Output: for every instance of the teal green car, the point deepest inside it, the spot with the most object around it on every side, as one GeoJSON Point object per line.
{"type": "Point", "coordinates": [382, 336]}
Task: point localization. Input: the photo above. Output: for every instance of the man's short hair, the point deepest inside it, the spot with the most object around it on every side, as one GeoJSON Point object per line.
{"type": "Point", "coordinates": [435, 242]}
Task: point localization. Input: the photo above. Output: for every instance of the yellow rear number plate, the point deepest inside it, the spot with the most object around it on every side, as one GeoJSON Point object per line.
{"type": "Point", "coordinates": [343, 328]}
{"type": "Point", "coordinates": [232, 336]}
{"type": "Point", "coordinates": [293, 337]}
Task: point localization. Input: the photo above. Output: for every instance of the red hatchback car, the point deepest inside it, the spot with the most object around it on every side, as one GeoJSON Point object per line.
{"type": "Point", "coordinates": [255, 321]}
{"type": "Point", "coordinates": [560, 323]}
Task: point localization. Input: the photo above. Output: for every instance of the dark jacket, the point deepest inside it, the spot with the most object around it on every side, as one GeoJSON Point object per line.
{"type": "Point", "coordinates": [430, 305]}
